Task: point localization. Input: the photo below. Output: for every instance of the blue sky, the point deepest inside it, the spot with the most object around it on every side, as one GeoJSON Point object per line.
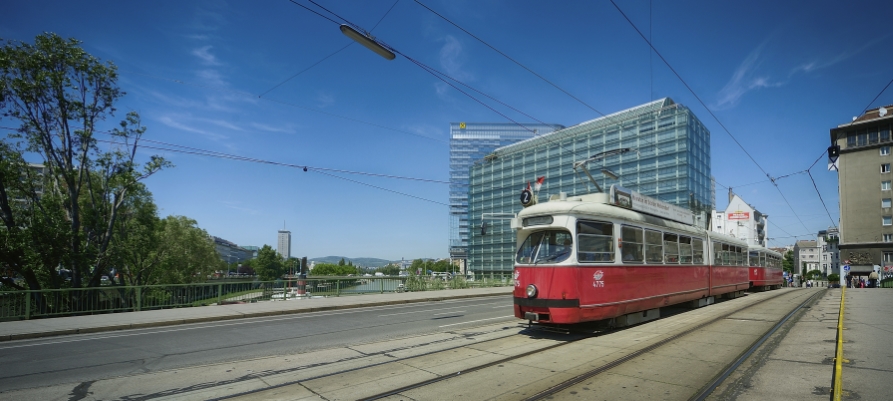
{"type": "Point", "coordinates": [204, 74]}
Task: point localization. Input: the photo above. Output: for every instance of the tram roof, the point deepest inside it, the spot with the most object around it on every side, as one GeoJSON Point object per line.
{"type": "Point", "coordinates": [597, 205]}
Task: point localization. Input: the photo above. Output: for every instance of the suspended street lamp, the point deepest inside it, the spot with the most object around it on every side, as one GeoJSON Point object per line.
{"type": "Point", "coordinates": [367, 41]}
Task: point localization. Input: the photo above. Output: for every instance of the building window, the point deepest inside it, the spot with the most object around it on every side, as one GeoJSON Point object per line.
{"type": "Point", "coordinates": [888, 220]}
{"type": "Point", "coordinates": [885, 168]}
{"type": "Point", "coordinates": [888, 237]}
{"type": "Point", "coordinates": [885, 202]}
{"type": "Point", "coordinates": [885, 150]}
{"type": "Point", "coordinates": [888, 257]}
{"type": "Point", "coordinates": [885, 185]}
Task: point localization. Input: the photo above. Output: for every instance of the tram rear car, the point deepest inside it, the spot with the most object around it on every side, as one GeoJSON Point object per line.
{"type": "Point", "coordinates": [765, 271]}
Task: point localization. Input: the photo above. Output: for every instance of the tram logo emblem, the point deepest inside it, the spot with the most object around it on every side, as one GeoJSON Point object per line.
{"type": "Point", "coordinates": [517, 277]}
{"type": "Point", "coordinates": [597, 279]}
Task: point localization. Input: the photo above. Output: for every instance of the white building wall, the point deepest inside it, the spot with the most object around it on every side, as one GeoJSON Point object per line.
{"type": "Point", "coordinates": [283, 245]}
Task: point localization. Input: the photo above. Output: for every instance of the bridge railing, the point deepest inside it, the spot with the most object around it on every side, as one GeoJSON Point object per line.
{"type": "Point", "coordinates": [28, 304]}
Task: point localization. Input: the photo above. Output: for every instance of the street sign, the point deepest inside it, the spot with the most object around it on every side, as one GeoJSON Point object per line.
{"type": "Point", "coordinates": [846, 268]}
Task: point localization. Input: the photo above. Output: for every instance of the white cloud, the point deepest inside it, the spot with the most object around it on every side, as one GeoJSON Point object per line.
{"type": "Point", "coordinates": [451, 59]}
{"type": "Point", "coordinates": [745, 79]}
{"type": "Point", "coordinates": [288, 129]}
{"type": "Point", "coordinates": [235, 205]}
{"type": "Point", "coordinates": [325, 99]}
{"type": "Point", "coordinates": [171, 122]}
{"type": "Point", "coordinates": [211, 77]}
{"type": "Point", "coordinates": [204, 54]}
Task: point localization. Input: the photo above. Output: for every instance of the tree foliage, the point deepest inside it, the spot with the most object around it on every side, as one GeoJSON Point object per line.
{"type": "Point", "coordinates": [788, 262]}
{"type": "Point", "coordinates": [329, 269]}
{"type": "Point", "coordinates": [268, 264]}
{"type": "Point", "coordinates": [67, 216]}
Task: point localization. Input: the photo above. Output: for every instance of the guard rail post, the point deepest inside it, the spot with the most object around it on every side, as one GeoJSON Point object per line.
{"type": "Point", "coordinates": [27, 304]}
{"type": "Point", "coordinates": [139, 298]}
{"type": "Point", "coordinates": [219, 293]}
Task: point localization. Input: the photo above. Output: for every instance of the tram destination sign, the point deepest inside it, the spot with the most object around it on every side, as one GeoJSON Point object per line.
{"type": "Point", "coordinates": [633, 200]}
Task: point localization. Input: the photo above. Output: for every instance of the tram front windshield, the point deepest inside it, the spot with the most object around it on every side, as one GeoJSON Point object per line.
{"type": "Point", "coordinates": [549, 246]}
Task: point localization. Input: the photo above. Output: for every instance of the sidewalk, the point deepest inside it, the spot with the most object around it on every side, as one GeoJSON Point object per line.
{"type": "Point", "coordinates": [867, 334]}
{"type": "Point", "coordinates": [797, 363]}
{"type": "Point", "coordinates": [24, 329]}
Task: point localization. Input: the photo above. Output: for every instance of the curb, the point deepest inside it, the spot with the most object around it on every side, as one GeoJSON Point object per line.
{"type": "Point", "coordinates": [174, 322]}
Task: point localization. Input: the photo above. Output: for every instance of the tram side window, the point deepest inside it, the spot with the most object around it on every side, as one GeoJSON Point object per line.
{"type": "Point", "coordinates": [763, 260]}
{"type": "Point", "coordinates": [726, 255]}
{"type": "Point", "coordinates": [684, 249]}
{"type": "Point", "coordinates": [631, 247]}
{"type": "Point", "coordinates": [697, 246]}
{"type": "Point", "coordinates": [654, 249]}
{"type": "Point", "coordinates": [739, 256]}
{"type": "Point", "coordinates": [717, 253]}
{"type": "Point", "coordinates": [595, 242]}
{"type": "Point", "coordinates": [753, 258]}
{"type": "Point", "coordinates": [671, 248]}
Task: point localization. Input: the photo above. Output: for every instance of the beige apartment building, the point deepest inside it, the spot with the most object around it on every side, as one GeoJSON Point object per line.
{"type": "Point", "coordinates": [865, 182]}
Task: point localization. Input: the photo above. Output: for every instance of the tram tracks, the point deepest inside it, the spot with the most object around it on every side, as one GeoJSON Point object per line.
{"type": "Point", "coordinates": [428, 375]}
{"type": "Point", "coordinates": [705, 391]}
{"type": "Point", "coordinates": [412, 391]}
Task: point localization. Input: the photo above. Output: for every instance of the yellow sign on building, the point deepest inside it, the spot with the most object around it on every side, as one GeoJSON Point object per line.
{"type": "Point", "coordinates": [461, 125]}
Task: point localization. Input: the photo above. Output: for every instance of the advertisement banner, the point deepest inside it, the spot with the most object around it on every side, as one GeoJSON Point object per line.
{"type": "Point", "coordinates": [739, 216]}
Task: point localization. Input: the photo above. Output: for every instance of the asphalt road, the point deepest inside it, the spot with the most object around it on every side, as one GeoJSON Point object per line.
{"type": "Point", "coordinates": [84, 358]}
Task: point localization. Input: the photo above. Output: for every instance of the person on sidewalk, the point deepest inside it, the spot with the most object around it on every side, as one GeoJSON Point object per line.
{"type": "Point", "coordinates": [872, 279]}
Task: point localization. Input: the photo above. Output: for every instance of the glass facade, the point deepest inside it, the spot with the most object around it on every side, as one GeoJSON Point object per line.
{"type": "Point", "coordinates": [670, 161]}
{"type": "Point", "coordinates": [470, 142]}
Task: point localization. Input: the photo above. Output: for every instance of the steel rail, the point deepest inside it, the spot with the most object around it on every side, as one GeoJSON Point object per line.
{"type": "Point", "coordinates": [549, 392]}
{"type": "Point", "coordinates": [293, 382]}
{"type": "Point", "coordinates": [706, 391]}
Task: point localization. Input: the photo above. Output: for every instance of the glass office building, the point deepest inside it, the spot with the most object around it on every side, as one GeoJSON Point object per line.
{"type": "Point", "coordinates": [669, 160]}
{"type": "Point", "coordinates": [470, 142]}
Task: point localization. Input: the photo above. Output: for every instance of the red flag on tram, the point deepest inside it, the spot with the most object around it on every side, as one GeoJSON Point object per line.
{"type": "Point", "coordinates": [539, 183]}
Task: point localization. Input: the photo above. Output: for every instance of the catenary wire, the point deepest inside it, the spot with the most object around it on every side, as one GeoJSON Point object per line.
{"type": "Point", "coordinates": [435, 73]}
{"type": "Point", "coordinates": [833, 223]}
{"type": "Point", "coordinates": [285, 103]}
{"type": "Point", "coordinates": [312, 170]}
{"type": "Point", "coordinates": [876, 97]}
{"type": "Point", "coordinates": [718, 121]}
{"type": "Point", "coordinates": [172, 147]}
{"type": "Point", "coordinates": [204, 152]}
{"type": "Point", "coordinates": [511, 59]}
{"type": "Point", "coordinates": [326, 57]}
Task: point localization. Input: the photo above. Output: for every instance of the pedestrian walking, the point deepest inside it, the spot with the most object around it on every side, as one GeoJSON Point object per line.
{"type": "Point", "coordinates": [872, 279]}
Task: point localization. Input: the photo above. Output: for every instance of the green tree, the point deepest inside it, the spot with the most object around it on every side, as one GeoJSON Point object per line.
{"type": "Point", "coordinates": [57, 93]}
{"type": "Point", "coordinates": [268, 264]}
{"type": "Point", "coordinates": [188, 252]}
{"type": "Point", "coordinates": [329, 269]}
{"type": "Point", "coordinates": [389, 270]}
{"type": "Point", "coordinates": [814, 274]}
{"type": "Point", "coordinates": [788, 262]}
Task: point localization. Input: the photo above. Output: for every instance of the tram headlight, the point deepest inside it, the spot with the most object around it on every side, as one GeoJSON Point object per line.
{"type": "Point", "coordinates": [531, 291]}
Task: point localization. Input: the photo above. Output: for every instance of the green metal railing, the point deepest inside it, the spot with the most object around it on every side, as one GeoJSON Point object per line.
{"type": "Point", "coordinates": [19, 305]}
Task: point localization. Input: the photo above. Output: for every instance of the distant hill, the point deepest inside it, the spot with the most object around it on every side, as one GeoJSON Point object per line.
{"type": "Point", "coordinates": [365, 262]}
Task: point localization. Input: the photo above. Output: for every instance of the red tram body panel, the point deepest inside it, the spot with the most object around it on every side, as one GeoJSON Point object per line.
{"type": "Point", "coordinates": [585, 258]}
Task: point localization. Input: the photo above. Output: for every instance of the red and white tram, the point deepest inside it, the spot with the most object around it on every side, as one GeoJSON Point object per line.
{"type": "Point", "coordinates": [765, 268]}
{"type": "Point", "coordinates": [618, 255]}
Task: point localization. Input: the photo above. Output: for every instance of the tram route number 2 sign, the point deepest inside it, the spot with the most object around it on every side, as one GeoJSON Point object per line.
{"type": "Point", "coordinates": [526, 198]}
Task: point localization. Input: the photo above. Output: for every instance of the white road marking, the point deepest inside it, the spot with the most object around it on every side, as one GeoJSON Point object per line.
{"type": "Point", "coordinates": [474, 321]}
{"type": "Point", "coordinates": [421, 311]}
{"type": "Point", "coordinates": [450, 313]}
